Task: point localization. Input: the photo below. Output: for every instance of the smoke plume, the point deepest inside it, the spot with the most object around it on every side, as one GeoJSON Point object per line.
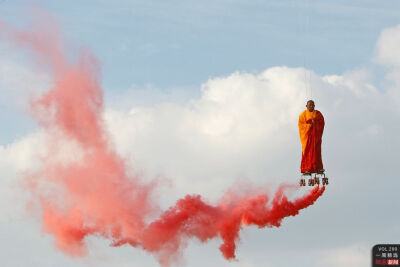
{"type": "Point", "coordinates": [94, 193]}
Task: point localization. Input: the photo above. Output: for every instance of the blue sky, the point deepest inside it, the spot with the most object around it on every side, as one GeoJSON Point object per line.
{"type": "Point", "coordinates": [183, 43]}
{"type": "Point", "coordinates": [221, 84]}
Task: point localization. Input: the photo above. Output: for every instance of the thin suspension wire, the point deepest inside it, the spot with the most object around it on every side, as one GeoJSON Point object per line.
{"type": "Point", "coordinates": [302, 29]}
{"type": "Point", "coordinates": [304, 7]}
{"type": "Point", "coordinates": [308, 31]}
{"type": "Point", "coordinates": [307, 27]}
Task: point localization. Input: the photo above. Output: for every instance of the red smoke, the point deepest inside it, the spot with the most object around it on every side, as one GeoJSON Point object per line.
{"type": "Point", "coordinates": [94, 194]}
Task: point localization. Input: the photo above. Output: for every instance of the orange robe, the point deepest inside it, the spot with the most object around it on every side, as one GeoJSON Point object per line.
{"type": "Point", "coordinates": [311, 139]}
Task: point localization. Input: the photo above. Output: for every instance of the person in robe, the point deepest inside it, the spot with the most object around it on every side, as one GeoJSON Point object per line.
{"type": "Point", "coordinates": [311, 127]}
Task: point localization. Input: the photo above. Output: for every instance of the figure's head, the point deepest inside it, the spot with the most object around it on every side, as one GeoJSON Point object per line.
{"type": "Point", "coordinates": [310, 105]}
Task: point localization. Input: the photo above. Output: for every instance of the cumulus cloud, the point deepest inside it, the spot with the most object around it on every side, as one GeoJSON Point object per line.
{"type": "Point", "coordinates": [217, 136]}
{"type": "Point", "coordinates": [387, 47]}
{"type": "Point", "coordinates": [388, 54]}
{"type": "Point", "coordinates": [240, 124]}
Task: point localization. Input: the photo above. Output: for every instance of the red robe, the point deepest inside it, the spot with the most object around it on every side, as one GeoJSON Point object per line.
{"type": "Point", "coordinates": [311, 139]}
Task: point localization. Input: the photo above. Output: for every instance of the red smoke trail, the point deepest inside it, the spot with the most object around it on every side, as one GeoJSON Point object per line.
{"type": "Point", "coordinates": [95, 194]}
{"type": "Point", "coordinates": [192, 217]}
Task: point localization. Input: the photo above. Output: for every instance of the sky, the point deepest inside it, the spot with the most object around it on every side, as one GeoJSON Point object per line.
{"type": "Point", "coordinates": [206, 95]}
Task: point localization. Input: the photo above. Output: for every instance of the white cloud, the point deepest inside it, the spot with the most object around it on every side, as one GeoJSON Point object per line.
{"type": "Point", "coordinates": [387, 53]}
{"type": "Point", "coordinates": [216, 137]}
{"type": "Point", "coordinates": [387, 47]}
{"type": "Point", "coordinates": [240, 124]}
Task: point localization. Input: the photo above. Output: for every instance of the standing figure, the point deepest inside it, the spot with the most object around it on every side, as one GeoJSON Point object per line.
{"type": "Point", "coordinates": [311, 126]}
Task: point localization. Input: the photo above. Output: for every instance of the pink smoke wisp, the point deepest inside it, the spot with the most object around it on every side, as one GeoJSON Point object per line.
{"type": "Point", "coordinates": [96, 194]}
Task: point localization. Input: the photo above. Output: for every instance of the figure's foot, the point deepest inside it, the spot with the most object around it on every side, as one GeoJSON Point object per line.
{"type": "Point", "coordinates": [307, 173]}
{"type": "Point", "coordinates": [321, 171]}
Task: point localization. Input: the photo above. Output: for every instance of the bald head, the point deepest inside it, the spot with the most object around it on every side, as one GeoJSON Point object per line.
{"type": "Point", "coordinates": [310, 105]}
